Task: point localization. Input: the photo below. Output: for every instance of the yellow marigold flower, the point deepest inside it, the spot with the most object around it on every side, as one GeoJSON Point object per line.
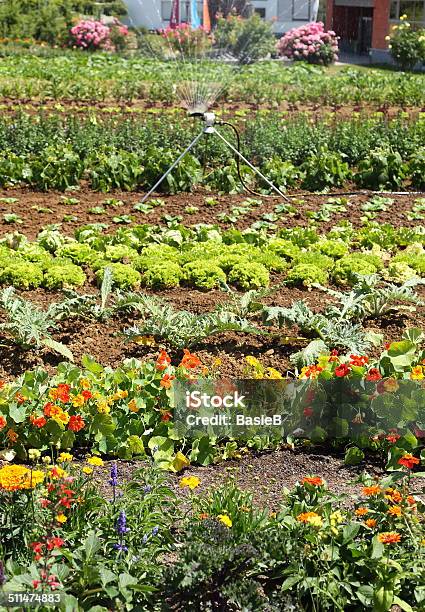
{"type": "Point", "coordinates": [103, 406]}
{"type": "Point", "coordinates": [273, 374]}
{"type": "Point", "coordinates": [87, 470]}
{"type": "Point", "coordinates": [417, 373]}
{"type": "Point", "coordinates": [61, 518]}
{"type": "Point", "coordinates": [85, 384]}
{"type": "Point", "coordinates": [189, 481]}
{"type": "Point", "coordinates": [310, 517]}
{"type": "Point", "coordinates": [96, 461]}
{"type": "Point", "coordinates": [56, 473]}
{"type": "Point", "coordinates": [16, 477]}
{"type": "Point", "coordinates": [78, 401]}
{"type": "Point", "coordinates": [64, 457]}
{"type": "Point", "coordinates": [225, 519]}
{"type": "Point", "coordinates": [132, 406]}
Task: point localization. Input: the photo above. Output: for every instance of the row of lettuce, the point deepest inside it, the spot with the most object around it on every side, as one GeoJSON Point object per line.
{"type": "Point", "coordinates": [313, 549]}
{"type": "Point", "coordinates": [206, 258]}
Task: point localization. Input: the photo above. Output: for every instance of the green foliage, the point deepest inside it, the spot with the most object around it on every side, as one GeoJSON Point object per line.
{"type": "Point", "coordinates": [124, 275]}
{"type": "Point", "coordinates": [22, 274]}
{"type": "Point", "coordinates": [249, 275]}
{"type": "Point", "coordinates": [307, 275]}
{"type": "Point", "coordinates": [64, 275]}
{"type": "Point", "coordinates": [114, 169]}
{"type": "Point", "coordinates": [348, 267]}
{"type": "Point", "coordinates": [57, 167]}
{"type": "Point", "coordinates": [248, 40]}
{"type": "Point", "coordinates": [407, 46]}
{"type": "Point", "coordinates": [332, 248]}
{"type": "Point", "coordinates": [417, 169]}
{"type": "Point", "coordinates": [203, 274]}
{"type": "Point", "coordinates": [324, 169]}
{"type": "Point", "coordinates": [381, 169]}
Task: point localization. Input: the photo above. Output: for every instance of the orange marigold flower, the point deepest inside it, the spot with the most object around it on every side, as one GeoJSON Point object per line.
{"type": "Point", "coordinates": [372, 490]}
{"type": "Point", "coordinates": [38, 421]}
{"type": "Point", "coordinates": [3, 422]}
{"type": "Point", "coordinates": [408, 460]}
{"type": "Point", "coordinates": [163, 361]}
{"type": "Point", "coordinates": [395, 511]}
{"type": "Point", "coordinates": [393, 495]}
{"type": "Point", "coordinates": [370, 523]}
{"type": "Point", "coordinates": [361, 511]}
{"type": "Point", "coordinates": [312, 371]}
{"type": "Point", "coordinates": [389, 537]}
{"type": "Point", "coordinates": [189, 360]}
{"type": "Point", "coordinates": [61, 393]}
{"type": "Point", "coordinates": [315, 481]}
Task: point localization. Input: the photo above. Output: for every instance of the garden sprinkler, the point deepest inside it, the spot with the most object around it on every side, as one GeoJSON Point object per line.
{"type": "Point", "coordinates": [210, 128]}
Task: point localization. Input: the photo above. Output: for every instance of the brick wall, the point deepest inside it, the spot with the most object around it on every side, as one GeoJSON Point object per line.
{"type": "Point", "coordinates": [381, 25]}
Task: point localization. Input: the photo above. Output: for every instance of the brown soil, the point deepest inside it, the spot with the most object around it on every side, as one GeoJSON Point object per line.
{"type": "Point", "coordinates": [38, 209]}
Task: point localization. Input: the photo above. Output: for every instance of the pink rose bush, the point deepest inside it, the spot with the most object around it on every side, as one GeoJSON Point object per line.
{"type": "Point", "coordinates": [92, 35]}
{"type": "Point", "coordinates": [310, 43]}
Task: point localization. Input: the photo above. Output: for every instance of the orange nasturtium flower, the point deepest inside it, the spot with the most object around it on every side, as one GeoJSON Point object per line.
{"type": "Point", "coordinates": [315, 481]}
{"type": "Point", "coordinates": [163, 361]}
{"type": "Point", "coordinates": [189, 360]}
{"type": "Point", "coordinates": [408, 460]}
{"type": "Point", "coordinates": [389, 537]}
{"type": "Point", "coordinates": [370, 523]}
{"type": "Point", "coordinates": [372, 490]}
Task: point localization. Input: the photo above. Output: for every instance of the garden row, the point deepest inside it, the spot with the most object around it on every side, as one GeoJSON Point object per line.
{"type": "Point", "coordinates": [53, 153]}
{"type": "Point", "coordinates": [100, 77]}
{"type": "Point", "coordinates": [315, 550]}
{"type": "Point", "coordinates": [206, 258]}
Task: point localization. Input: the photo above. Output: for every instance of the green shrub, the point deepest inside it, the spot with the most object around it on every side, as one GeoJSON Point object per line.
{"type": "Point", "coordinates": [417, 169]}
{"type": "Point", "coordinates": [407, 46]}
{"type": "Point", "coordinates": [247, 39]}
{"type": "Point", "coordinates": [22, 274]}
{"type": "Point", "coordinates": [249, 275]}
{"type": "Point", "coordinates": [111, 168]}
{"type": "Point", "coordinates": [162, 274]}
{"type": "Point", "coordinates": [124, 275]}
{"type": "Point", "coordinates": [62, 276]}
{"type": "Point", "coordinates": [381, 169]}
{"type": "Point", "coordinates": [332, 248]}
{"type": "Point", "coordinates": [203, 274]}
{"type": "Point", "coordinates": [307, 275]}
{"type": "Point", "coordinates": [56, 167]}
{"type": "Point", "coordinates": [325, 169]}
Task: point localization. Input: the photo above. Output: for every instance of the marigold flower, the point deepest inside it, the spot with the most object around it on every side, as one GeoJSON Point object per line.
{"type": "Point", "coordinates": [311, 372]}
{"type": "Point", "coordinates": [78, 400]}
{"type": "Point", "coordinates": [310, 517]}
{"type": "Point", "coordinates": [393, 495]}
{"type": "Point", "coordinates": [103, 406]}
{"type": "Point", "coordinates": [408, 460]}
{"type": "Point", "coordinates": [38, 421]}
{"type": "Point", "coordinates": [61, 393]}
{"type": "Point", "coordinates": [314, 481]}
{"type": "Point", "coordinates": [189, 360]}
{"type": "Point", "coordinates": [86, 394]}
{"type": "Point", "coordinates": [61, 518]}
{"type": "Point", "coordinates": [87, 470]}
{"type": "Point", "coordinates": [370, 523]}
{"type": "Point", "coordinates": [163, 361]}
{"type": "Point", "coordinates": [395, 511]}
{"type": "Point", "coordinates": [373, 375]}
{"type": "Point", "coordinates": [16, 477]}
{"type": "Point", "coordinates": [3, 422]}
{"type": "Point", "coordinates": [85, 383]}
{"type": "Point", "coordinates": [225, 519]}
{"type": "Point", "coordinates": [47, 410]}
{"type": "Point", "coordinates": [65, 457]}
{"type": "Point", "coordinates": [96, 461]}
{"type": "Point", "coordinates": [389, 537]}
{"type": "Point", "coordinates": [359, 360]}
{"type": "Point", "coordinates": [20, 398]}
{"type": "Point", "coordinates": [372, 490]}
{"type": "Point", "coordinates": [76, 423]}
{"type": "Point", "coordinates": [203, 516]}
{"type": "Point", "coordinates": [411, 500]}
{"type": "Point", "coordinates": [189, 481]}
{"type": "Point", "coordinates": [361, 511]}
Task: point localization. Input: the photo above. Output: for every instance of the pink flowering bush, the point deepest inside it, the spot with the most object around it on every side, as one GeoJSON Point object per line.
{"type": "Point", "coordinates": [92, 35]}
{"type": "Point", "coordinates": [310, 43]}
{"type": "Point", "coordinates": [187, 41]}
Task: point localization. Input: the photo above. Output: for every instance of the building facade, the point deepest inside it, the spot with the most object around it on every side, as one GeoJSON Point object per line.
{"type": "Point", "coordinates": [362, 25]}
{"type": "Point", "coordinates": [285, 14]}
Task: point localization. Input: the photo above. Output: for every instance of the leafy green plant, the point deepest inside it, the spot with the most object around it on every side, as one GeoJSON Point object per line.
{"type": "Point", "coordinates": [324, 169]}
{"type": "Point", "coordinates": [381, 169]}
{"type": "Point", "coordinates": [28, 325]}
{"type": "Point", "coordinates": [181, 328]}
